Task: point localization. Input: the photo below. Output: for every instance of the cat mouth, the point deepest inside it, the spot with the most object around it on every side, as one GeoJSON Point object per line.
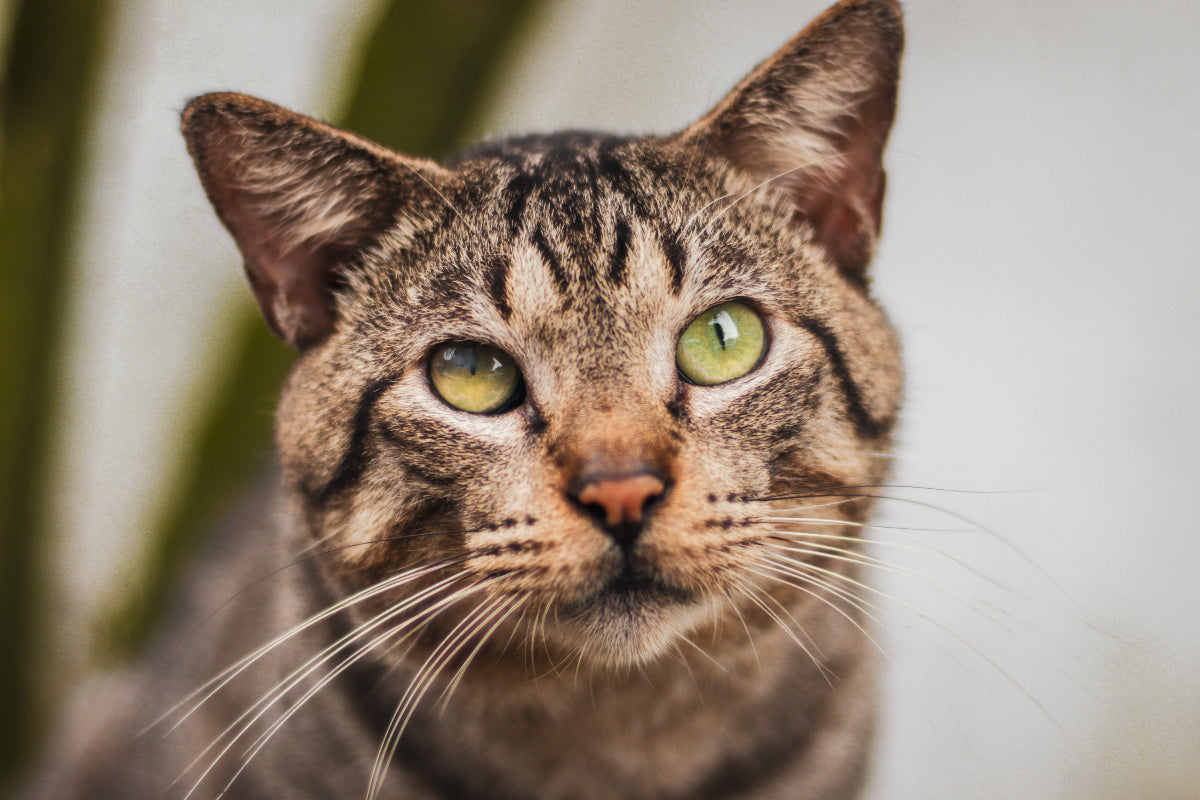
{"type": "Point", "coordinates": [634, 587]}
{"type": "Point", "coordinates": [632, 618]}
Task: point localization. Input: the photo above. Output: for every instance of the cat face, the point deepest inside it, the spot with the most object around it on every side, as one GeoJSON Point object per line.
{"type": "Point", "coordinates": [572, 386]}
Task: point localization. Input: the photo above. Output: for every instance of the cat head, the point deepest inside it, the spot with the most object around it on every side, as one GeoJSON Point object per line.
{"type": "Point", "coordinates": [573, 379]}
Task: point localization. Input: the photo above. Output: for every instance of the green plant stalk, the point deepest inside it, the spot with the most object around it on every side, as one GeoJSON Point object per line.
{"type": "Point", "coordinates": [54, 49]}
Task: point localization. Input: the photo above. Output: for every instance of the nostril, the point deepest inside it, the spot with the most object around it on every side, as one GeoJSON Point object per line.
{"type": "Point", "coordinates": [622, 500]}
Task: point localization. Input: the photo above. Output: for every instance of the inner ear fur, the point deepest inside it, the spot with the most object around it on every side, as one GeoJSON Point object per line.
{"type": "Point", "coordinates": [301, 198]}
{"type": "Point", "coordinates": [812, 121]}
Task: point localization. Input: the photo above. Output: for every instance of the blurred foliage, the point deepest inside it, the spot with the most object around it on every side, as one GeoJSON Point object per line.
{"type": "Point", "coordinates": [428, 70]}
{"type": "Point", "coordinates": [425, 71]}
{"type": "Point", "coordinates": [44, 103]}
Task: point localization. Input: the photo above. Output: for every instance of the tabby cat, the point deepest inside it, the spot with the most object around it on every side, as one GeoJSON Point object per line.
{"type": "Point", "coordinates": [576, 456]}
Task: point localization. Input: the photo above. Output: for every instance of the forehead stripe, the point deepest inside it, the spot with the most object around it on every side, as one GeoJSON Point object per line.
{"type": "Point", "coordinates": [620, 253]}
{"type": "Point", "coordinates": [553, 263]}
{"type": "Point", "coordinates": [518, 191]}
{"type": "Point", "coordinates": [497, 284]}
{"type": "Point", "coordinates": [676, 253]}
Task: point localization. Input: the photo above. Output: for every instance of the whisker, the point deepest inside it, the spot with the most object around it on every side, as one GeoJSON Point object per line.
{"type": "Point", "coordinates": [399, 537]}
{"type": "Point", "coordinates": [746, 628]}
{"type": "Point", "coordinates": [303, 556]}
{"type": "Point", "coordinates": [973, 525]}
{"type": "Point", "coordinates": [554, 666]}
{"type": "Point", "coordinates": [413, 625]}
{"type": "Point", "coordinates": [688, 223]}
{"type": "Point", "coordinates": [850, 557]}
{"type": "Point", "coordinates": [810, 573]}
{"type": "Point", "coordinates": [222, 678]}
{"type": "Point", "coordinates": [418, 686]}
{"type": "Point", "coordinates": [499, 615]}
{"type": "Point", "coordinates": [820, 550]}
{"type": "Point", "coordinates": [827, 504]}
{"type": "Point", "coordinates": [248, 718]}
{"type": "Point", "coordinates": [910, 547]}
{"type": "Point", "coordinates": [867, 526]}
{"type": "Point", "coordinates": [809, 581]}
{"type": "Point", "coordinates": [768, 181]}
{"type": "Point", "coordinates": [838, 489]}
{"type": "Point", "coordinates": [257, 745]}
{"type": "Point", "coordinates": [430, 184]}
{"type": "Point", "coordinates": [521, 623]}
{"type": "Point", "coordinates": [756, 597]}
{"type": "Point", "coordinates": [423, 679]}
{"type": "Point", "coordinates": [682, 637]}
{"type": "Point", "coordinates": [944, 628]}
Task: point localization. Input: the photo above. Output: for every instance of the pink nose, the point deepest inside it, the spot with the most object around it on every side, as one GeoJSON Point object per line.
{"type": "Point", "coordinates": [623, 499]}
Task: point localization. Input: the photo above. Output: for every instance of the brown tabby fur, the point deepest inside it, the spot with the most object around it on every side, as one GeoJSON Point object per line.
{"type": "Point", "coordinates": [717, 649]}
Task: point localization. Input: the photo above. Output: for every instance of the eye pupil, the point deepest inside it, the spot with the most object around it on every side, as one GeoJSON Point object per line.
{"type": "Point", "coordinates": [722, 322]}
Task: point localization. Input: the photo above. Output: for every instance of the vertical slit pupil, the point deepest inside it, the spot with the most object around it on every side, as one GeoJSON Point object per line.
{"type": "Point", "coordinates": [719, 322]}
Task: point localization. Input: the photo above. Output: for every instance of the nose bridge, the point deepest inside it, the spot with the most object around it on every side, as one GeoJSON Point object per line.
{"type": "Point", "coordinates": [613, 443]}
{"type": "Point", "coordinates": [618, 467]}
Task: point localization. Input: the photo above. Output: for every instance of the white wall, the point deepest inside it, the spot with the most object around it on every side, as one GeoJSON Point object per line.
{"type": "Point", "coordinates": [1037, 260]}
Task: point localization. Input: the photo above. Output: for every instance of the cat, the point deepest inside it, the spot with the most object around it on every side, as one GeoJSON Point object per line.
{"type": "Point", "coordinates": [575, 458]}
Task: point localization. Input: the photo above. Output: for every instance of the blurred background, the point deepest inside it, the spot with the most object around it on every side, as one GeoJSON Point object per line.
{"type": "Point", "coordinates": [1041, 622]}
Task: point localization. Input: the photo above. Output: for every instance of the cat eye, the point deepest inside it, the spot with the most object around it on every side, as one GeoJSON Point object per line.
{"type": "Point", "coordinates": [722, 344]}
{"type": "Point", "coordinates": [475, 377]}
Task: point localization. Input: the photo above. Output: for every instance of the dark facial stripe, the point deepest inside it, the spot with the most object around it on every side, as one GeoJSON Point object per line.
{"type": "Point", "coordinates": [415, 467]}
{"type": "Point", "coordinates": [415, 438]}
{"type": "Point", "coordinates": [867, 426]}
{"type": "Point", "coordinates": [677, 406]}
{"type": "Point", "coordinates": [611, 167]}
{"type": "Point", "coordinates": [497, 284]}
{"type": "Point", "coordinates": [350, 469]}
{"type": "Point", "coordinates": [552, 261]}
{"type": "Point", "coordinates": [730, 254]}
{"type": "Point", "coordinates": [676, 255]}
{"type": "Point", "coordinates": [518, 191]}
{"type": "Point", "coordinates": [620, 252]}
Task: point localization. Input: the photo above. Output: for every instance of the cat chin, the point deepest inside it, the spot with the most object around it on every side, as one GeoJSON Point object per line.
{"type": "Point", "coordinates": [620, 631]}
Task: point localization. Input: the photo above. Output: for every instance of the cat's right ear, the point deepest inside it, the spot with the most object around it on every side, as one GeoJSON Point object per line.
{"type": "Point", "coordinates": [302, 200]}
{"type": "Point", "coordinates": [811, 122]}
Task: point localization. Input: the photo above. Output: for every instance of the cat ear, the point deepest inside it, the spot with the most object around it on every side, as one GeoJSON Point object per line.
{"type": "Point", "coordinates": [301, 198]}
{"type": "Point", "coordinates": [812, 122]}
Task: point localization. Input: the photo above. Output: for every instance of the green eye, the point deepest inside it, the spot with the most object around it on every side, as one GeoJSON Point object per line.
{"type": "Point", "coordinates": [474, 377]}
{"type": "Point", "coordinates": [721, 344]}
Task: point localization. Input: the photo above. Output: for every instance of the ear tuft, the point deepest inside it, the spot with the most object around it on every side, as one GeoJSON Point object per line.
{"type": "Point", "coordinates": [301, 198]}
{"type": "Point", "coordinates": [812, 122]}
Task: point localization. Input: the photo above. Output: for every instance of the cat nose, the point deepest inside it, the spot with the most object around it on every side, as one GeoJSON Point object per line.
{"type": "Point", "coordinates": [623, 501]}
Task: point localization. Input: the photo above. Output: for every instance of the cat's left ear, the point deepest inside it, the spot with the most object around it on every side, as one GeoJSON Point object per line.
{"type": "Point", "coordinates": [302, 199]}
{"type": "Point", "coordinates": [812, 122]}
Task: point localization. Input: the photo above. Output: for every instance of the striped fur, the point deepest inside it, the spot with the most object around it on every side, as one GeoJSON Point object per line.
{"type": "Point", "coordinates": [716, 650]}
